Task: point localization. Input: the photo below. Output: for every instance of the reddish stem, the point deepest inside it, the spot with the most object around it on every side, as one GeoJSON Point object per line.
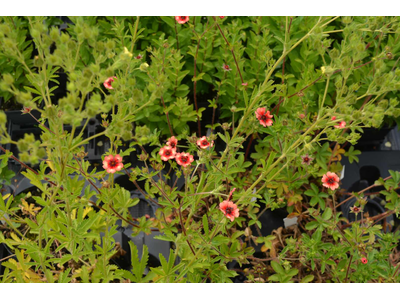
{"type": "Point", "coordinates": [231, 49]}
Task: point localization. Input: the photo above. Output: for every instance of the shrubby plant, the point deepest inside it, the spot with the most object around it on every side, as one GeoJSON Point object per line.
{"type": "Point", "coordinates": [191, 96]}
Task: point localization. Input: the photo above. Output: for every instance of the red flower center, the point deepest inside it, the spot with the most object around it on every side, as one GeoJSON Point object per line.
{"type": "Point", "coordinates": [112, 163]}
{"type": "Point", "coordinates": [228, 210]}
{"type": "Point", "coordinates": [167, 153]}
{"type": "Point", "coordinates": [331, 180]}
{"type": "Point", "coordinates": [306, 159]}
{"type": "Point", "coordinates": [263, 117]}
{"type": "Point", "coordinates": [184, 159]}
{"type": "Point", "coordinates": [182, 18]}
{"type": "Point", "coordinates": [204, 143]}
{"type": "Point", "coordinates": [172, 144]}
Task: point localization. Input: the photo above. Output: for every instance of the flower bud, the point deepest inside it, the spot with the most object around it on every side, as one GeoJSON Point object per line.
{"type": "Point", "coordinates": [37, 61]}
{"type": "Point", "coordinates": [54, 34]}
{"type": "Point", "coordinates": [105, 185]}
{"type": "Point", "coordinates": [192, 139]}
{"type": "Point", "coordinates": [334, 53]}
{"type": "Point", "coordinates": [41, 153]}
{"type": "Point", "coordinates": [143, 156]}
{"type": "Point", "coordinates": [143, 67]}
{"type": "Point", "coordinates": [8, 79]}
{"type": "Point", "coordinates": [328, 70]}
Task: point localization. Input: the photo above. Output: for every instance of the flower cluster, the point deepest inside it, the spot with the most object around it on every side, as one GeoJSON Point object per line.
{"type": "Point", "coordinates": [169, 152]}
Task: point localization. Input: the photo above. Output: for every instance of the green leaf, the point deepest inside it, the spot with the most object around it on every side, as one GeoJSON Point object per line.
{"type": "Point", "coordinates": [277, 267]}
{"type": "Point", "coordinates": [293, 272]}
{"type": "Point", "coordinates": [138, 267]}
{"type": "Point", "coordinates": [205, 225]}
{"type": "Point", "coordinates": [312, 225]}
{"type": "Point", "coordinates": [327, 214]}
{"type": "Point", "coordinates": [307, 279]}
{"type": "Point", "coordinates": [352, 154]}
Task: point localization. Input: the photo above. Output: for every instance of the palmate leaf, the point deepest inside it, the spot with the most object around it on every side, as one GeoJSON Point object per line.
{"type": "Point", "coordinates": [352, 154]}
{"type": "Point", "coordinates": [138, 266]}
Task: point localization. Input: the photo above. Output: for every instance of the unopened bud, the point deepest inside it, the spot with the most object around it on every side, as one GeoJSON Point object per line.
{"type": "Point", "coordinates": [143, 157]}
{"type": "Point", "coordinates": [225, 126]}
{"type": "Point", "coordinates": [143, 67]}
{"type": "Point", "coordinates": [192, 139]}
{"type": "Point", "coordinates": [105, 184]}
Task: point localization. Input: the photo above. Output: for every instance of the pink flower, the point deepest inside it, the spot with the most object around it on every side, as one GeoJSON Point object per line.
{"type": "Point", "coordinates": [245, 84]}
{"type": "Point", "coordinates": [172, 142]}
{"type": "Point", "coordinates": [265, 118]}
{"type": "Point", "coordinates": [108, 82]}
{"type": "Point", "coordinates": [167, 153]}
{"type": "Point", "coordinates": [222, 17]}
{"type": "Point", "coordinates": [229, 208]}
{"type": "Point", "coordinates": [306, 160]}
{"type": "Point", "coordinates": [182, 20]}
{"type": "Point", "coordinates": [184, 159]}
{"type": "Point", "coordinates": [139, 56]}
{"type": "Point", "coordinates": [364, 260]}
{"type": "Point", "coordinates": [342, 124]}
{"type": "Point", "coordinates": [330, 180]}
{"type": "Point", "coordinates": [302, 116]}
{"type": "Point", "coordinates": [203, 143]}
{"type": "Point", "coordinates": [226, 68]}
{"type": "Point", "coordinates": [113, 163]}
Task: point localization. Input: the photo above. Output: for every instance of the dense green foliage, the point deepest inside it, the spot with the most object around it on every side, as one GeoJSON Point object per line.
{"type": "Point", "coordinates": [171, 81]}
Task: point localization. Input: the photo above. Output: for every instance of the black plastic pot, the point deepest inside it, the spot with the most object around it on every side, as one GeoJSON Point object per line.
{"type": "Point", "coordinates": [375, 205]}
{"type": "Point", "coordinates": [19, 124]}
{"type": "Point", "coordinates": [4, 252]}
{"type": "Point", "coordinates": [372, 138]}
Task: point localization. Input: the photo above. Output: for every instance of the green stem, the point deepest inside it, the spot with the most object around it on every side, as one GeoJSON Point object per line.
{"type": "Point", "coordinates": [87, 140]}
{"type": "Point", "coordinates": [323, 99]}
